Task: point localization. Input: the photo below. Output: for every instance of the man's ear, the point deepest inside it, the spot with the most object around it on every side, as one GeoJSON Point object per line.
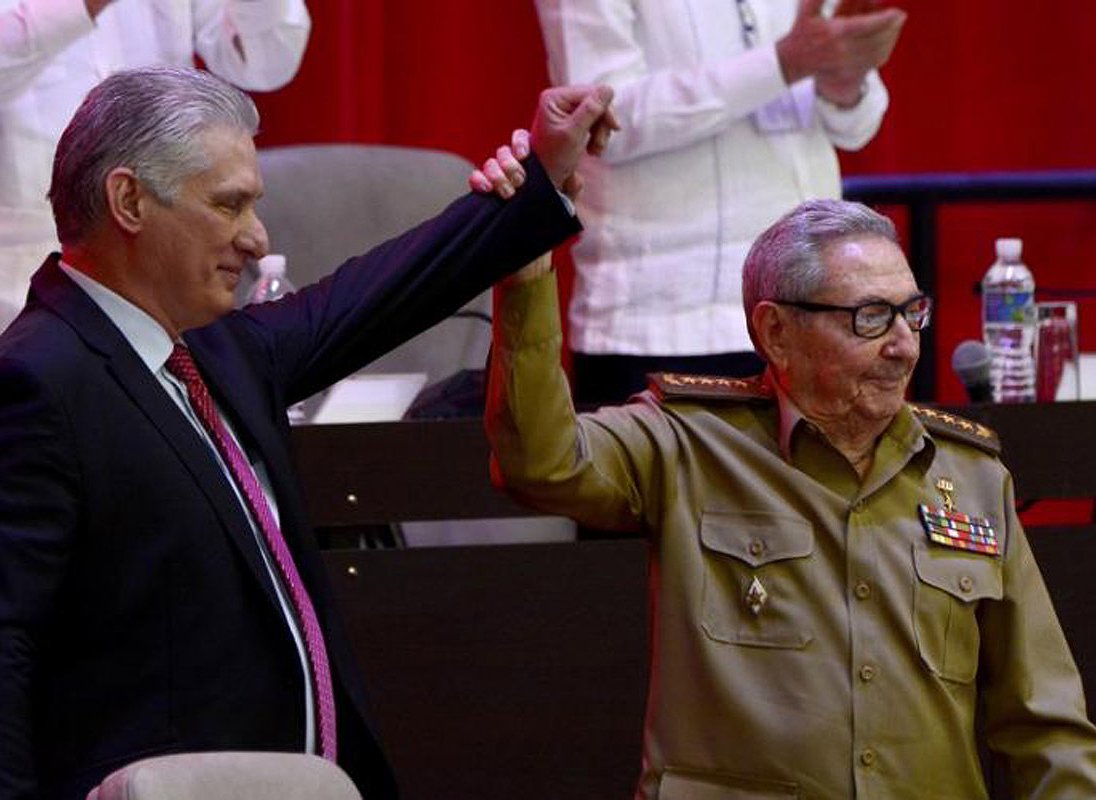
{"type": "Point", "coordinates": [125, 199]}
{"type": "Point", "coordinates": [771, 328]}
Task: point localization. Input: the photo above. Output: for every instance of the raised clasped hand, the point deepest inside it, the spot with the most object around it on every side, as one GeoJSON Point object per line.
{"type": "Point", "coordinates": [569, 121]}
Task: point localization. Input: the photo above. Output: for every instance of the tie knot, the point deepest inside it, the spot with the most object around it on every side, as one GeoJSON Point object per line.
{"type": "Point", "coordinates": [182, 366]}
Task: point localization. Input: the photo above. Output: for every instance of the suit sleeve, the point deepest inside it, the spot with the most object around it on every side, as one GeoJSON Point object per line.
{"type": "Point", "coordinates": [1035, 704]}
{"type": "Point", "coordinates": [38, 513]}
{"type": "Point", "coordinates": [376, 301]}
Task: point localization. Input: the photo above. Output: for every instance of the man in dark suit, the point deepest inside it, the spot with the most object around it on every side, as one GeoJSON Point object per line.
{"type": "Point", "coordinates": [160, 586]}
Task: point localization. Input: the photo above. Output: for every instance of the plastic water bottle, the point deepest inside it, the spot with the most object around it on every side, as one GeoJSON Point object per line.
{"type": "Point", "coordinates": [1008, 324]}
{"type": "Point", "coordinates": [272, 282]}
{"type": "Point", "coordinates": [271, 285]}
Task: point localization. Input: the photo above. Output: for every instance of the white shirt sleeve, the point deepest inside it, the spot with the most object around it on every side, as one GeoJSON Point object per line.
{"type": "Point", "coordinates": [596, 41]}
{"type": "Point", "coordinates": [852, 128]}
{"type": "Point", "coordinates": [254, 44]}
{"type": "Point", "coordinates": [32, 32]}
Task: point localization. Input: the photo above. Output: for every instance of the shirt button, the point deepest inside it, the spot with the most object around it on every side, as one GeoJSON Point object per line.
{"type": "Point", "coordinates": [966, 584]}
{"type": "Point", "coordinates": [867, 757]}
{"type": "Point", "coordinates": [757, 547]}
{"type": "Point", "coordinates": [867, 672]}
{"type": "Point", "coordinates": [862, 590]}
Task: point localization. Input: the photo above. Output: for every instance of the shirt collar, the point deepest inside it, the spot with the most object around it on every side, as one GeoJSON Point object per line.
{"type": "Point", "coordinates": [144, 334]}
{"type": "Point", "coordinates": [905, 430]}
{"type": "Point", "coordinates": [789, 414]}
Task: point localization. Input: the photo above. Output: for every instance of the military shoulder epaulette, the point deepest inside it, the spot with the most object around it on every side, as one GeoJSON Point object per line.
{"type": "Point", "coordinates": [952, 425]}
{"type": "Point", "coordinates": [676, 386]}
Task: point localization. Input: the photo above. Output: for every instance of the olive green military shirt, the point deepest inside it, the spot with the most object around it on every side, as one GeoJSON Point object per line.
{"type": "Point", "coordinates": [808, 639]}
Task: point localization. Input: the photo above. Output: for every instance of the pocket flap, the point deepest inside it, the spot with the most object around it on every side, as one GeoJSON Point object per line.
{"type": "Point", "coordinates": [965, 576]}
{"type": "Point", "coordinates": [756, 537]}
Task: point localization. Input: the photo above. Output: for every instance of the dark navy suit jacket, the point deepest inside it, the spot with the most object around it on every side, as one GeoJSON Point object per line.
{"type": "Point", "coordinates": [135, 615]}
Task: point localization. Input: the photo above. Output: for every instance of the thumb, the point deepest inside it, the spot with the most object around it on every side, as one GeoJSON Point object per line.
{"type": "Point", "coordinates": [519, 143]}
{"type": "Point", "coordinates": [592, 108]}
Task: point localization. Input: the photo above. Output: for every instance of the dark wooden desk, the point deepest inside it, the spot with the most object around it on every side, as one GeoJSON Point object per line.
{"type": "Point", "coordinates": [1050, 448]}
{"type": "Point", "coordinates": [397, 471]}
{"type": "Point", "coordinates": [520, 671]}
{"type": "Point", "coordinates": [507, 672]}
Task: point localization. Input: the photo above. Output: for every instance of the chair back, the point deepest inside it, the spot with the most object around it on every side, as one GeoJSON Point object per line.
{"type": "Point", "coordinates": [228, 776]}
{"type": "Point", "coordinates": [326, 202]}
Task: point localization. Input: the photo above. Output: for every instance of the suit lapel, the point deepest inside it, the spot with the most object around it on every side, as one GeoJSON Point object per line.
{"type": "Point", "coordinates": [54, 289]}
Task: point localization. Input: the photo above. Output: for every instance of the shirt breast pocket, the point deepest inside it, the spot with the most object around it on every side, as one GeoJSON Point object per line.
{"type": "Point", "coordinates": [756, 573]}
{"type": "Point", "coordinates": [949, 585]}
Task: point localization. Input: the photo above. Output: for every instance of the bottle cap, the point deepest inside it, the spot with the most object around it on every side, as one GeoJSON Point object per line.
{"type": "Point", "coordinates": [273, 264]}
{"type": "Point", "coordinates": [1009, 249]}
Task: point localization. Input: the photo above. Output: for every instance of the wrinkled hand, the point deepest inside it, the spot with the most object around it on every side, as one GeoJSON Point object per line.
{"type": "Point", "coordinates": [571, 120]}
{"type": "Point", "coordinates": [839, 51]}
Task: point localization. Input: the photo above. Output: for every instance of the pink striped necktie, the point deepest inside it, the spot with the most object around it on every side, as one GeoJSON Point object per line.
{"type": "Point", "coordinates": [182, 366]}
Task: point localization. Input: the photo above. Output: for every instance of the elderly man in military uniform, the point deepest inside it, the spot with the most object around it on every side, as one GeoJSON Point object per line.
{"type": "Point", "coordinates": [838, 577]}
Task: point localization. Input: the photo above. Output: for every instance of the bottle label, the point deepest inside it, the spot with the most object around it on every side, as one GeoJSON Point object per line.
{"type": "Point", "coordinates": [1008, 307]}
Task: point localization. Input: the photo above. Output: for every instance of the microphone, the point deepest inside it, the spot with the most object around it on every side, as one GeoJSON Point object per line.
{"type": "Point", "coordinates": [970, 360]}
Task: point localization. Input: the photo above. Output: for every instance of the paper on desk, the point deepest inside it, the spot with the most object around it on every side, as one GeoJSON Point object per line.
{"type": "Point", "coordinates": [370, 398]}
{"type": "Point", "coordinates": [1087, 376]}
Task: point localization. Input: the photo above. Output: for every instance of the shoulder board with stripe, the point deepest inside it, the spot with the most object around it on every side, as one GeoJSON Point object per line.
{"type": "Point", "coordinates": [953, 426]}
{"type": "Point", "coordinates": [677, 386]}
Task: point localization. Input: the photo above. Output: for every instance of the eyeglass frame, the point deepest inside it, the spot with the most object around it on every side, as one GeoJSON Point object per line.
{"type": "Point", "coordinates": [853, 311]}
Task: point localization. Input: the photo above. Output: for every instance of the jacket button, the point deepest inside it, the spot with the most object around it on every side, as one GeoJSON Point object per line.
{"type": "Point", "coordinates": [757, 547]}
{"type": "Point", "coordinates": [867, 672]}
{"type": "Point", "coordinates": [966, 584]}
{"type": "Point", "coordinates": [862, 590]}
{"type": "Point", "coordinates": [867, 757]}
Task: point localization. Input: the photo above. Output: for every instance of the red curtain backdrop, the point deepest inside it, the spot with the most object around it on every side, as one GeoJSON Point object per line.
{"type": "Point", "coordinates": [975, 85]}
{"type": "Point", "coordinates": [427, 73]}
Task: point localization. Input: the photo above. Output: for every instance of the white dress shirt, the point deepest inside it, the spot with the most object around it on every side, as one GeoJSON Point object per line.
{"type": "Point", "coordinates": [52, 53]}
{"type": "Point", "coordinates": [689, 181]}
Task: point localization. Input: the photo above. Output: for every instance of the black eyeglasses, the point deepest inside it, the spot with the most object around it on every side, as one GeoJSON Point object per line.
{"type": "Point", "coordinates": [872, 320]}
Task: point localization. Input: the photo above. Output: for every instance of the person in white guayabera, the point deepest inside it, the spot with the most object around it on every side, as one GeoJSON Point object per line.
{"type": "Point", "coordinates": [52, 52]}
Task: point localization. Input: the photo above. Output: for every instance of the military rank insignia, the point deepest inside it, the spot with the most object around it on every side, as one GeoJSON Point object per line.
{"type": "Point", "coordinates": [961, 531]}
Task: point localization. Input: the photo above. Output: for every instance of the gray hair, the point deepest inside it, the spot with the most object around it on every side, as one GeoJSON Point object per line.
{"type": "Point", "coordinates": [148, 120]}
{"type": "Point", "coordinates": [785, 261]}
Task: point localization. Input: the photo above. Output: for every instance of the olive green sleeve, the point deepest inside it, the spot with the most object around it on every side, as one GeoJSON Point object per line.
{"type": "Point", "coordinates": [592, 467]}
{"type": "Point", "coordinates": [1035, 706]}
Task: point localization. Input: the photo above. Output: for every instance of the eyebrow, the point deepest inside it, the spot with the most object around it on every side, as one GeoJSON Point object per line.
{"type": "Point", "coordinates": [233, 195]}
{"type": "Point", "coordinates": [874, 298]}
